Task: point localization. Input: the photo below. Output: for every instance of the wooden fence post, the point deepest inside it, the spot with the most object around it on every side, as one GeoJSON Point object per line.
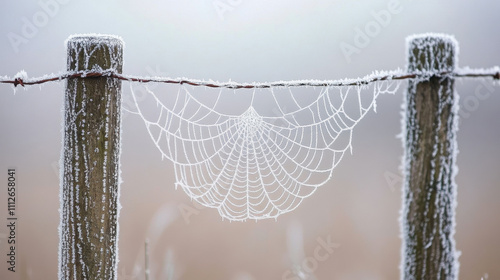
{"type": "Point", "coordinates": [88, 230]}
{"type": "Point", "coordinates": [429, 192]}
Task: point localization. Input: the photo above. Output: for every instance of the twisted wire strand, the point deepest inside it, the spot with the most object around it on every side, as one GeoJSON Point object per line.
{"type": "Point", "coordinates": [375, 77]}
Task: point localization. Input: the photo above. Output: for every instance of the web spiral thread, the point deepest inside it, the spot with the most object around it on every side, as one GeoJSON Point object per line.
{"type": "Point", "coordinates": [254, 165]}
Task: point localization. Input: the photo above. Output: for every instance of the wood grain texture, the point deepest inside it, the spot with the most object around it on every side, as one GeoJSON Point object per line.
{"type": "Point", "coordinates": [429, 192]}
{"type": "Point", "coordinates": [90, 179]}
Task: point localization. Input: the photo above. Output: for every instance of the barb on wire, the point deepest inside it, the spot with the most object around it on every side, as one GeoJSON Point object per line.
{"type": "Point", "coordinates": [374, 77]}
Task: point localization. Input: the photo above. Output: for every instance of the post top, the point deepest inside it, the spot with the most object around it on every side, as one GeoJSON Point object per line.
{"type": "Point", "coordinates": [433, 36]}
{"type": "Point", "coordinates": [94, 38]}
{"type": "Point", "coordinates": [94, 51]}
{"type": "Point", "coordinates": [432, 52]}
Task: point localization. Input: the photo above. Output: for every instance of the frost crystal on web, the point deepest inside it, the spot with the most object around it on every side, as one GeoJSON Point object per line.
{"type": "Point", "coordinates": [253, 164]}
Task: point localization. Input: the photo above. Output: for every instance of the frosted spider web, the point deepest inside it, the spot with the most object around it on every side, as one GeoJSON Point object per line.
{"type": "Point", "coordinates": [264, 159]}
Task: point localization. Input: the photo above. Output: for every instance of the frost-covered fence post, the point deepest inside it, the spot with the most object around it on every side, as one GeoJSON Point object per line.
{"type": "Point", "coordinates": [429, 192]}
{"type": "Point", "coordinates": [90, 160]}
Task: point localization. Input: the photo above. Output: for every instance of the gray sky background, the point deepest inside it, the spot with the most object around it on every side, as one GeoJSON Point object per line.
{"type": "Point", "coordinates": [249, 41]}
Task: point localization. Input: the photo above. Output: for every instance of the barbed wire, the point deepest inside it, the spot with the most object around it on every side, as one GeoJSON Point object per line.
{"type": "Point", "coordinates": [374, 77]}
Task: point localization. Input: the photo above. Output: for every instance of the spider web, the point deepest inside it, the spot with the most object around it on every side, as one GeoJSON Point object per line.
{"type": "Point", "coordinates": [264, 160]}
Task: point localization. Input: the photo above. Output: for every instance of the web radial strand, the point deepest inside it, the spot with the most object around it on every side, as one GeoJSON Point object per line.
{"type": "Point", "coordinates": [255, 164]}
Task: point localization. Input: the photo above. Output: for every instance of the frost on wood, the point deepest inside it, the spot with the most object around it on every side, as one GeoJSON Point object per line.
{"type": "Point", "coordinates": [90, 159]}
{"type": "Point", "coordinates": [431, 53]}
{"type": "Point", "coordinates": [429, 193]}
{"type": "Point", "coordinates": [251, 164]}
